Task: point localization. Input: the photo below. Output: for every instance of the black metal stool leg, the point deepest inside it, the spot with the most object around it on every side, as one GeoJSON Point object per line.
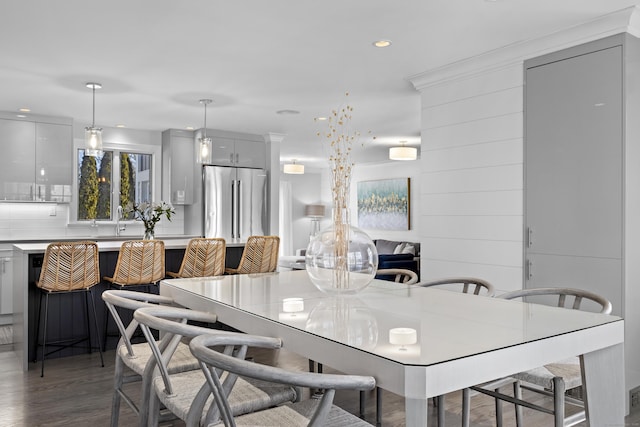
{"type": "Point", "coordinates": [44, 335]}
{"type": "Point", "coordinates": [95, 322]}
{"type": "Point", "coordinates": [36, 340]}
{"type": "Point", "coordinates": [378, 406]}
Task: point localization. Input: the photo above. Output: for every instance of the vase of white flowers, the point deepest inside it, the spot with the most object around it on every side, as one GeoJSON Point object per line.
{"type": "Point", "coordinates": [150, 214]}
{"type": "Point", "coordinates": [341, 259]}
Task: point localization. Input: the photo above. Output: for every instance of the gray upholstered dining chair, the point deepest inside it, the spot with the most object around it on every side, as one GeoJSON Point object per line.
{"type": "Point", "coordinates": [402, 275]}
{"type": "Point", "coordinates": [187, 393]}
{"type": "Point", "coordinates": [552, 379]}
{"type": "Point", "coordinates": [132, 359]}
{"type": "Point", "coordinates": [222, 368]}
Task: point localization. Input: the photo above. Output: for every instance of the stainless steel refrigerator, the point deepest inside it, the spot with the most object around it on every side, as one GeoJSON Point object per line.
{"type": "Point", "coordinates": [235, 202]}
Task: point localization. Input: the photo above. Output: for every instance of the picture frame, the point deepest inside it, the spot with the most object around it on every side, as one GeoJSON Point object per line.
{"type": "Point", "coordinates": [384, 204]}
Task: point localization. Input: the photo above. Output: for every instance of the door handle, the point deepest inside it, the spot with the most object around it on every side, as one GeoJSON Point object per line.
{"type": "Point", "coordinates": [529, 267]}
{"type": "Point", "coordinates": [529, 237]}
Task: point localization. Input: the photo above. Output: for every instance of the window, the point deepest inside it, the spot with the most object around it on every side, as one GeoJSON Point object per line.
{"type": "Point", "coordinates": [99, 195]}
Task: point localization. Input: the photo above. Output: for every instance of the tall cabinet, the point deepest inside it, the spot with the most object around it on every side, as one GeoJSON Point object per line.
{"type": "Point", "coordinates": [582, 177]}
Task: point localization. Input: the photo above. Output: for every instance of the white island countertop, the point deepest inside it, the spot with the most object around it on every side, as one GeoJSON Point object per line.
{"type": "Point", "coordinates": [112, 245]}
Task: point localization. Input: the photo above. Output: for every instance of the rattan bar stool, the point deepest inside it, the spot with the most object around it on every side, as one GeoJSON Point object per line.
{"type": "Point", "coordinates": [204, 257]}
{"type": "Point", "coordinates": [140, 266]}
{"type": "Point", "coordinates": [260, 255]}
{"type": "Point", "coordinates": [68, 267]}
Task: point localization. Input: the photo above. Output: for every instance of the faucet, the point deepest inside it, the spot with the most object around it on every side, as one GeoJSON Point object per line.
{"type": "Point", "coordinates": [119, 216]}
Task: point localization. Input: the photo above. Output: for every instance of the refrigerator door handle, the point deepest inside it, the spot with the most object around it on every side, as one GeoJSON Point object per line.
{"type": "Point", "coordinates": [239, 202]}
{"type": "Point", "coordinates": [234, 212]}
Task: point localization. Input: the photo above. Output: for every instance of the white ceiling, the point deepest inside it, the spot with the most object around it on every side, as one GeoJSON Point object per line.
{"type": "Point", "coordinates": [157, 58]}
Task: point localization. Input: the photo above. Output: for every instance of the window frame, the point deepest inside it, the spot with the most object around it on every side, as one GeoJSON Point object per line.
{"type": "Point", "coordinates": [117, 148]}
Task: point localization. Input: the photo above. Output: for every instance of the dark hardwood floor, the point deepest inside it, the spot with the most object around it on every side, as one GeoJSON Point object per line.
{"type": "Point", "coordinates": [76, 391]}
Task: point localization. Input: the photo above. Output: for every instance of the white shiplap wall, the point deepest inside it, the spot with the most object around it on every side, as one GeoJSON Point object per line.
{"type": "Point", "coordinates": [471, 182]}
{"type": "Point", "coordinates": [471, 194]}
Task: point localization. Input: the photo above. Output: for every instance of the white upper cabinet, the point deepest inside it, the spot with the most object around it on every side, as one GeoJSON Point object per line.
{"type": "Point", "coordinates": [37, 160]}
{"type": "Point", "coordinates": [238, 150]}
{"type": "Point", "coordinates": [178, 163]}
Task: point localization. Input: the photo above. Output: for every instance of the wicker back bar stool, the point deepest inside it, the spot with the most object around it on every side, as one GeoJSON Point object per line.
{"type": "Point", "coordinates": [140, 266]}
{"type": "Point", "coordinates": [68, 267]}
{"type": "Point", "coordinates": [260, 255]}
{"type": "Point", "coordinates": [204, 257]}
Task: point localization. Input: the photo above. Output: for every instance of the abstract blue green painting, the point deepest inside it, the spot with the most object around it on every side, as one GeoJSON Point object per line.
{"type": "Point", "coordinates": [384, 204]}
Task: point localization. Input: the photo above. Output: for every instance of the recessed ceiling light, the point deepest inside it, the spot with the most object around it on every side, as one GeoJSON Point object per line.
{"type": "Point", "coordinates": [120, 126]}
{"type": "Point", "coordinates": [321, 118]}
{"type": "Point", "coordinates": [382, 43]}
{"type": "Point", "coordinates": [287, 112]}
{"type": "Point", "coordinates": [24, 110]}
{"type": "Point", "coordinates": [189, 128]}
{"type": "Point", "coordinates": [21, 116]}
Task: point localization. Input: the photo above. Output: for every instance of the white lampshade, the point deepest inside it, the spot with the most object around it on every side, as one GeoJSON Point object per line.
{"type": "Point", "coordinates": [403, 336]}
{"type": "Point", "coordinates": [292, 305]}
{"type": "Point", "coordinates": [403, 153]}
{"type": "Point", "coordinates": [293, 168]}
{"type": "Point", "coordinates": [314, 211]}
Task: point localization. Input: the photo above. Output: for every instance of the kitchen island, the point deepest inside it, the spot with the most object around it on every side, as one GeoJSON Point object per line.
{"type": "Point", "coordinates": [68, 317]}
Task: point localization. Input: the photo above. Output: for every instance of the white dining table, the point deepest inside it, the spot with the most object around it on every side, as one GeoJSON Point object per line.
{"type": "Point", "coordinates": [461, 340]}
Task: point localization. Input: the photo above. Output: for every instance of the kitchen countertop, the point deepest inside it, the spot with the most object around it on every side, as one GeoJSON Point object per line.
{"type": "Point", "coordinates": [111, 244]}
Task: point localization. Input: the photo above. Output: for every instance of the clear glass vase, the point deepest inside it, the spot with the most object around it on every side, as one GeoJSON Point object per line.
{"type": "Point", "coordinates": [341, 259]}
{"type": "Point", "coordinates": [149, 234]}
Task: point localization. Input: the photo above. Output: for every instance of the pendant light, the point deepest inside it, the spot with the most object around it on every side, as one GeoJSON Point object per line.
{"type": "Point", "coordinates": [293, 168]}
{"type": "Point", "coordinates": [93, 134]}
{"type": "Point", "coordinates": [204, 143]}
{"type": "Point", "coordinates": [403, 153]}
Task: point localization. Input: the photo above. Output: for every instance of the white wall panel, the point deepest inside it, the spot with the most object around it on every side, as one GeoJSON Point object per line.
{"type": "Point", "coordinates": [466, 204]}
{"type": "Point", "coordinates": [479, 155]}
{"type": "Point", "coordinates": [496, 178]}
{"type": "Point", "coordinates": [498, 128]}
{"type": "Point", "coordinates": [506, 228]}
{"type": "Point", "coordinates": [505, 279]}
{"type": "Point", "coordinates": [476, 108]}
{"type": "Point", "coordinates": [479, 84]}
{"type": "Point", "coordinates": [471, 204]}
{"type": "Point", "coordinates": [504, 253]}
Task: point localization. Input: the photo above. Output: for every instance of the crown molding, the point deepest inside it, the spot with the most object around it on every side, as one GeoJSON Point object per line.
{"type": "Point", "coordinates": [623, 21]}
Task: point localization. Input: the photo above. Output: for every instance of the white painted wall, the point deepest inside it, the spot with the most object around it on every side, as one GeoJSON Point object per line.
{"type": "Point", "coordinates": [305, 190]}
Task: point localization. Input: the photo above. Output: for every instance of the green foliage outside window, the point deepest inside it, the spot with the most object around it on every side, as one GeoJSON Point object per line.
{"type": "Point", "coordinates": [125, 182]}
{"type": "Point", "coordinates": [88, 189]}
{"type": "Point", "coordinates": [104, 186]}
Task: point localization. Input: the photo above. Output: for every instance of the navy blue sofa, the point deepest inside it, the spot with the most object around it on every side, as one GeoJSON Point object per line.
{"type": "Point", "coordinates": [406, 256]}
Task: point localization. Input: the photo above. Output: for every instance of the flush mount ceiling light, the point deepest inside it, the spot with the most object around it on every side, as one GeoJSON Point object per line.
{"type": "Point", "coordinates": [287, 112]}
{"type": "Point", "coordinates": [403, 152]}
{"type": "Point", "coordinates": [293, 168]}
{"type": "Point", "coordinates": [204, 146]}
{"type": "Point", "coordinates": [93, 134]}
{"type": "Point", "coordinates": [382, 43]}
